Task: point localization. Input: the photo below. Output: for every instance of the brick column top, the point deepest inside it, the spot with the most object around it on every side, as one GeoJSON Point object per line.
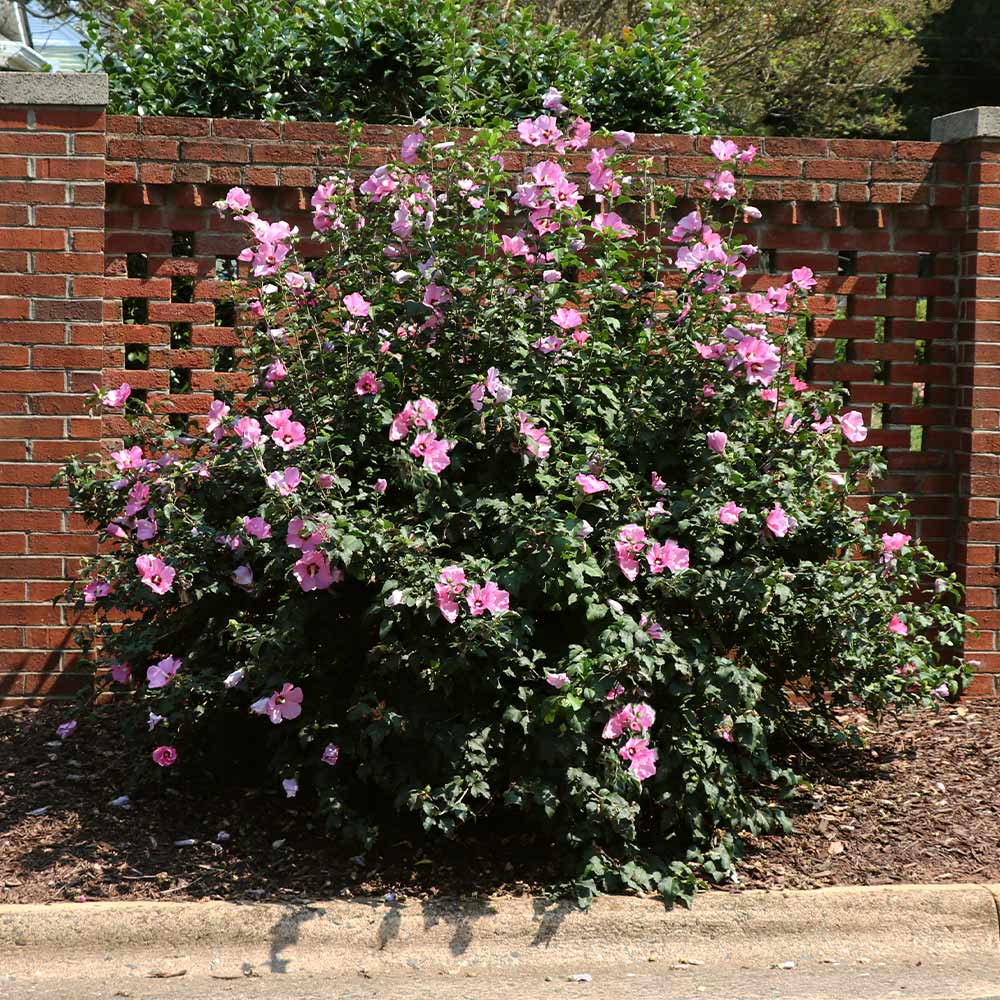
{"type": "Point", "coordinates": [972, 123]}
{"type": "Point", "coordinates": [67, 89]}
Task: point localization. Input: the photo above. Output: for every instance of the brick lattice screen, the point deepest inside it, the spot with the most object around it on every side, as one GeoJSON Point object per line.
{"type": "Point", "coordinates": [898, 233]}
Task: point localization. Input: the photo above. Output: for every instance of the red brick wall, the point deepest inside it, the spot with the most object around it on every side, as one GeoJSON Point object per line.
{"type": "Point", "coordinates": [907, 313]}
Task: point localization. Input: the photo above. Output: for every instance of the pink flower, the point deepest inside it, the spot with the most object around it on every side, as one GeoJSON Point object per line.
{"type": "Point", "coordinates": [941, 691]}
{"type": "Point", "coordinates": [357, 305]}
{"type": "Point", "coordinates": [641, 758]}
{"type": "Point", "coordinates": [121, 673]}
{"type": "Point", "coordinates": [548, 345]}
{"type": "Point", "coordinates": [243, 577]}
{"type": "Point", "coordinates": [821, 426]}
{"type": "Point", "coordinates": [411, 143]}
{"type": "Point", "coordinates": [514, 246]}
{"type": "Point", "coordinates": [721, 186]}
{"type": "Point", "coordinates": [331, 754]}
{"type": "Point", "coordinates": [627, 562]}
{"type": "Point", "coordinates": [284, 704]}
{"type": "Point", "coordinates": [659, 485]}
{"type": "Point", "coordinates": [290, 786]}
{"type": "Point", "coordinates": [66, 729]}
{"type": "Point", "coordinates": [651, 628]}
{"type": "Point", "coordinates": [538, 443]}
{"type": "Point", "coordinates": [778, 522]}
{"type": "Point", "coordinates": [367, 384]}
{"type": "Point", "coordinates": [95, 590]}
{"type": "Point", "coordinates": [314, 573]}
{"type": "Point", "coordinates": [761, 361]}
{"type": "Point", "coordinates": [891, 544]}
{"type": "Point", "coordinates": [115, 398]}
{"type": "Point", "coordinates": [623, 138]}
{"type": "Point", "coordinates": [164, 756]}
{"type": "Point", "coordinates": [128, 458]}
{"type": "Point", "coordinates": [852, 424]}
{"type": "Point", "coordinates": [138, 497]}
{"type": "Point", "coordinates": [237, 200]}
{"type": "Point", "coordinates": [669, 555]}
{"type": "Point", "coordinates": [729, 512]}
{"type": "Point", "coordinates": [724, 150]}
{"type": "Point", "coordinates": [433, 450]}
{"type": "Point", "coordinates": [558, 681]}
{"type": "Point", "coordinates": [288, 434]}
{"type": "Point", "coordinates": [145, 529]}
{"type": "Point", "coordinates": [436, 295]}
{"type": "Point", "coordinates": [566, 317]}
{"type": "Point", "coordinates": [159, 675]}
{"type": "Point", "coordinates": [591, 484]}
{"type": "Point", "coordinates": [612, 222]}
{"type": "Point", "coordinates": [488, 597]}
{"type": "Point", "coordinates": [898, 626]}
{"type": "Point", "coordinates": [256, 527]}
{"type": "Point", "coordinates": [381, 485]}
{"type": "Point", "coordinates": [802, 277]}
{"type": "Point", "coordinates": [301, 537]}
{"type": "Point", "coordinates": [249, 431]}
{"type": "Point", "coordinates": [286, 481]}
{"type": "Point", "coordinates": [630, 719]}
{"type": "Point", "coordinates": [155, 573]}
{"type": "Point", "coordinates": [717, 441]}
{"type": "Point", "coordinates": [616, 692]}
{"type": "Point", "coordinates": [552, 101]}
{"type": "Point", "coordinates": [276, 372]}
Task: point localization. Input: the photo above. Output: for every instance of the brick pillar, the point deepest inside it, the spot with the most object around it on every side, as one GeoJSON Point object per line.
{"type": "Point", "coordinates": [52, 161]}
{"type": "Point", "coordinates": [976, 553]}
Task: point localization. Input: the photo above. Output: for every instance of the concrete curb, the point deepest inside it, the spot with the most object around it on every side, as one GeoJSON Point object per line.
{"type": "Point", "coordinates": [753, 928]}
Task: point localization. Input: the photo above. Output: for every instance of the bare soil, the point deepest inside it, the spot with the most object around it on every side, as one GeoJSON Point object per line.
{"type": "Point", "coordinates": [919, 801]}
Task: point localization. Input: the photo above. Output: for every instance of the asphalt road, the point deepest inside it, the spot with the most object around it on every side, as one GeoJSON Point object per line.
{"type": "Point", "coordinates": [967, 979]}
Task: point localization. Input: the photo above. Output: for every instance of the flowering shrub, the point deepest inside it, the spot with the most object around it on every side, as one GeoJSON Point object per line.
{"type": "Point", "coordinates": [529, 511]}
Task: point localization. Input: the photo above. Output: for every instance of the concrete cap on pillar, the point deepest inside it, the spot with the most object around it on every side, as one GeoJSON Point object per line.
{"type": "Point", "coordinates": [972, 123]}
{"type": "Point", "coordinates": [88, 90]}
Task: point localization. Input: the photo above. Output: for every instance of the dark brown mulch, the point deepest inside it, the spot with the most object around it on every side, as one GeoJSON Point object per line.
{"type": "Point", "coordinates": [919, 802]}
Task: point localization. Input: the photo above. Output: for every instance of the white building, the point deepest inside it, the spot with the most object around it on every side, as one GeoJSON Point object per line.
{"type": "Point", "coordinates": [30, 41]}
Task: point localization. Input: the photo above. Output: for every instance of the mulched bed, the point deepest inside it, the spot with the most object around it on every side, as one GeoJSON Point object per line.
{"type": "Point", "coordinates": [919, 802]}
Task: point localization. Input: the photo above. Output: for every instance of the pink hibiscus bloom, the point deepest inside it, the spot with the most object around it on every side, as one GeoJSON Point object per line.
{"type": "Point", "coordinates": [411, 143]}
{"type": "Point", "coordinates": [717, 441]}
{"type": "Point", "coordinates": [288, 434]}
{"type": "Point", "coordinates": [128, 458]}
{"type": "Point", "coordinates": [249, 431]}
{"type": "Point", "coordinates": [898, 626]}
{"type": "Point", "coordinates": [164, 756]}
{"type": "Point", "coordinates": [256, 527]}
{"type": "Point", "coordinates": [284, 704]}
{"type": "Point", "coordinates": [159, 675]}
{"type": "Point", "coordinates": [121, 673]}
{"type": "Point", "coordinates": [357, 305]}
{"type": "Point", "coordinates": [286, 481]}
{"type": "Point", "coordinates": [433, 450]}
{"type": "Point", "coordinates": [314, 573]}
{"type": "Point", "coordinates": [488, 597]}
{"type": "Point", "coordinates": [627, 561]}
{"type": "Point", "coordinates": [301, 537]}
{"type": "Point", "coordinates": [612, 222]}
{"type": "Point", "coordinates": [641, 758]}
{"type": "Point", "coordinates": [217, 413]}
{"type": "Point", "coordinates": [95, 590]}
{"type": "Point", "coordinates": [852, 424]}
{"type": "Point", "coordinates": [591, 484]}
{"type": "Point", "coordinates": [155, 573]}
{"type": "Point", "coordinates": [331, 754]}
{"type": "Point", "coordinates": [367, 384]}
{"type": "Point", "coordinates": [115, 398]}
{"type": "Point", "coordinates": [566, 318]}
{"type": "Point", "coordinates": [558, 681]}
{"type": "Point", "coordinates": [778, 522]}
{"type": "Point", "coordinates": [891, 544]}
{"type": "Point", "coordinates": [802, 278]}
{"type": "Point", "coordinates": [729, 512]}
{"type": "Point", "coordinates": [669, 555]}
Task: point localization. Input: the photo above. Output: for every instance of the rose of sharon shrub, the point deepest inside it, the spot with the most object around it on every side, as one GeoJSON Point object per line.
{"type": "Point", "coordinates": [521, 518]}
